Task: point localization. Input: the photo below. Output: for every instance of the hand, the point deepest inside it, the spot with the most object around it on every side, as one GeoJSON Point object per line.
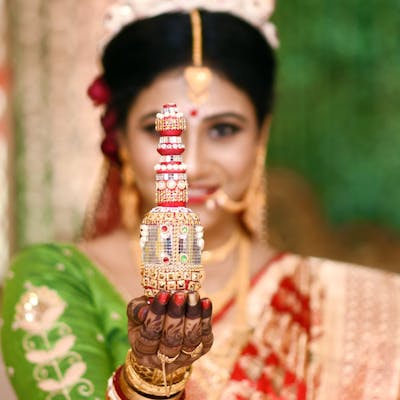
{"type": "Point", "coordinates": [178, 326]}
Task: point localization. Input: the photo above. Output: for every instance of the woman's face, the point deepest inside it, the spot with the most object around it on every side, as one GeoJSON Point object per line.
{"type": "Point", "coordinates": [221, 142]}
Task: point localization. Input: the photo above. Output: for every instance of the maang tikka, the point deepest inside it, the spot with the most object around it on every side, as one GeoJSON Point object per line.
{"type": "Point", "coordinates": [197, 76]}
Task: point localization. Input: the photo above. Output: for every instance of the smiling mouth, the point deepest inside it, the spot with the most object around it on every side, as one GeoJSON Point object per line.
{"type": "Point", "coordinates": [200, 195]}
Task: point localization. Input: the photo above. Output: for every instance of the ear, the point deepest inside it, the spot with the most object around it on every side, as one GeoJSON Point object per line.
{"type": "Point", "coordinates": [123, 146]}
{"type": "Point", "coordinates": [264, 130]}
{"type": "Point", "coordinates": [122, 138]}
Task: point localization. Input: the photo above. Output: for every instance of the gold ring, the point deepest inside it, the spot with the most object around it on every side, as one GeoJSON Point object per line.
{"type": "Point", "coordinates": [196, 352]}
{"type": "Point", "coordinates": [165, 359]}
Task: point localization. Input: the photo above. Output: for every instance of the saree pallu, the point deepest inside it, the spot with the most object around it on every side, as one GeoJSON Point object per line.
{"type": "Point", "coordinates": [319, 329]}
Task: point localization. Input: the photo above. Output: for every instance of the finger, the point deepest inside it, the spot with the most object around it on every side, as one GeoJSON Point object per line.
{"type": "Point", "coordinates": [172, 336]}
{"type": "Point", "coordinates": [150, 331]}
{"type": "Point", "coordinates": [207, 335]}
{"type": "Point", "coordinates": [193, 325]}
{"type": "Point", "coordinates": [137, 311]}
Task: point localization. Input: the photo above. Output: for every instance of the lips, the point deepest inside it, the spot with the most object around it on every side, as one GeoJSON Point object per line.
{"type": "Point", "coordinates": [200, 194]}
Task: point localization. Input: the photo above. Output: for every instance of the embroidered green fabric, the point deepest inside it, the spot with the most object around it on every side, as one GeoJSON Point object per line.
{"type": "Point", "coordinates": [64, 325]}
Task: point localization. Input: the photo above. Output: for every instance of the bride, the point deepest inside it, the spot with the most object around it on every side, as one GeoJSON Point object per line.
{"type": "Point", "coordinates": [265, 325]}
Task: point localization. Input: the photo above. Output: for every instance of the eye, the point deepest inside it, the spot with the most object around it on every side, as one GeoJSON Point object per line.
{"type": "Point", "coordinates": [223, 130]}
{"type": "Point", "coordinates": [151, 130]}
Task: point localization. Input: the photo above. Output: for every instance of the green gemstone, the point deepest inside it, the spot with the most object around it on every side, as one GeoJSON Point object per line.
{"type": "Point", "coordinates": [184, 258]}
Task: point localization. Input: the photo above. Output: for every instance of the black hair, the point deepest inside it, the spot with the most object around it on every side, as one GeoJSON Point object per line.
{"type": "Point", "coordinates": [146, 48]}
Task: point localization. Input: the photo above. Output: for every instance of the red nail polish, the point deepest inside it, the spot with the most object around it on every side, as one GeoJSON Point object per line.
{"type": "Point", "coordinates": [163, 298]}
{"type": "Point", "coordinates": [205, 304]}
{"type": "Point", "coordinates": [179, 298]}
{"type": "Point", "coordinates": [143, 313]}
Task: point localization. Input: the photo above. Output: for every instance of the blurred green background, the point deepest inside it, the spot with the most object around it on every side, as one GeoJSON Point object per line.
{"type": "Point", "coordinates": [337, 120]}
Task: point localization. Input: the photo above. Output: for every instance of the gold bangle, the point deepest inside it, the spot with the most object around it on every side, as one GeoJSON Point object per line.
{"type": "Point", "coordinates": [132, 394]}
{"type": "Point", "coordinates": [136, 381]}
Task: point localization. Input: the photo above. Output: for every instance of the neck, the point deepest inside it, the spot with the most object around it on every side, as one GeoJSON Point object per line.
{"type": "Point", "coordinates": [218, 234]}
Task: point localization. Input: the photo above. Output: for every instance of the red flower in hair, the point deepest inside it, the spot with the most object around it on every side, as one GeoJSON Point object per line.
{"type": "Point", "coordinates": [109, 146]}
{"type": "Point", "coordinates": [109, 120]}
{"type": "Point", "coordinates": [99, 91]}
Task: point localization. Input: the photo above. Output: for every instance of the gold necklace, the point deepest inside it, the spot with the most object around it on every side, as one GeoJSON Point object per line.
{"type": "Point", "coordinates": [238, 283]}
{"type": "Point", "coordinates": [220, 253]}
{"type": "Point", "coordinates": [219, 362]}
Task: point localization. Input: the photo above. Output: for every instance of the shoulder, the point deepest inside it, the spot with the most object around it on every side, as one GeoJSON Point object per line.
{"type": "Point", "coordinates": [48, 258]}
{"type": "Point", "coordinates": [332, 270]}
{"type": "Point", "coordinates": [58, 266]}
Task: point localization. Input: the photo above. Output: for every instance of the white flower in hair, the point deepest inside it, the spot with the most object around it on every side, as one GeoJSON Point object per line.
{"type": "Point", "coordinates": [255, 12]}
{"type": "Point", "coordinates": [117, 16]}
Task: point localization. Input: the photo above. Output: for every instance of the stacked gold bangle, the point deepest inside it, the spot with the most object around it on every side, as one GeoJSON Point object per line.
{"type": "Point", "coordinates": [151, 381]}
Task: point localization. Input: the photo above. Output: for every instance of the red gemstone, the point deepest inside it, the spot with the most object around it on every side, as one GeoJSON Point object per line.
{"type": "Point", "coordinates": [166, 260]}
{"type": "Point", "coordinates": [194, 112]}
{"type": "Point", "coordinates": [164, 228]}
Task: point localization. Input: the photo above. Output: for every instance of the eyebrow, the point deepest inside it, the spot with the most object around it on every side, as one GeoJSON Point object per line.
{"type": "Point", "coordinates": [240, 117]}
{"type": "Point", "coordinates": [151, 114]}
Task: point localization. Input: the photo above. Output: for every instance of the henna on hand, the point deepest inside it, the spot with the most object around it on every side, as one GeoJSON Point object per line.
{"type": "Point", "coordinates": [174, 325]}
{"type": "Point", "coordinates": [207, 335]}
{"type": "Point", "coordinates": [172, 335]}
{"type": "Point", "coordinates": [193, 329]}
{"type": "Point", "coordinates": [144, 338]}
{"type": "Point", "coordinates": [137, 311]}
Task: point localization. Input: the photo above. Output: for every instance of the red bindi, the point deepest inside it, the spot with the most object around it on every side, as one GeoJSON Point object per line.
{"type": "Point", "coordinates": [194, 112]}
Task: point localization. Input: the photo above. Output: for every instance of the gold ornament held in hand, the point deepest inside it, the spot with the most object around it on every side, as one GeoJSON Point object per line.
{"type": "Point", "coordinates": [171, 237]}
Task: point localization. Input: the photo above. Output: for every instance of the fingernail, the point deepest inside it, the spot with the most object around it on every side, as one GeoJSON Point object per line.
{"type": "Point", "coordinates": [205, 304]}
{"type": "Point", "coordinates": [176, 307]}
{"type": "Point", "coordinates": [206, 307]}
{"type": "Point", "coordinates": [143, 313]}
{"type": "Point", "coordinates": [163, 297]}
{"type": "Point", "coordinates": [179, 298]}
{"type": "Point", "coordinates": [194, 308]}
{"type": "Point", "coordinates": [193, 298]}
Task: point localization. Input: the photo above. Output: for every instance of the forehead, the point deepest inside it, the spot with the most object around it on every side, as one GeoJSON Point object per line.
{"type": "Point", "coordinates": [171, 87]}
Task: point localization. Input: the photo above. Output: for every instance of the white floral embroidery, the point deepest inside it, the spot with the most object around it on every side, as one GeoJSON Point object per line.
{"type": "Point", "coordinates": [10, 274]}
{"type": "Point", "coordinates": [67, 252]}
{"type": "Point", "coordinates": [59, 371]}
{"type": "Point", "coordinates": [100, 338]}
{"type": "Point", "coordinates": [115, 316]}
{"type": "Point", "coordinates": [10, 371]}
{"type": "Point", "coordinates": [60, 267]}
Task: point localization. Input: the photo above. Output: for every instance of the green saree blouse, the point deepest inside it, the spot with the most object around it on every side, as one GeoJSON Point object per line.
{"type": "Point", "coordinates": [64, 325]}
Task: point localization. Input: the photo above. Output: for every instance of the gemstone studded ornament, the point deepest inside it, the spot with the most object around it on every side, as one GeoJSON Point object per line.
{"type": "Point", "coordinates": [171, 237]}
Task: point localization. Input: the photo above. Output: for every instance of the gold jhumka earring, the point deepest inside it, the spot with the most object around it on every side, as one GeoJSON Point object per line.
{"type": "Point", "coordinates": [253, 205]}
{"type": "Point", "coordinates": [254, 214]}
{"type": "Point", "coordinates": [197, 76]}
{"type": "Point", "coordinates": [128, 195]}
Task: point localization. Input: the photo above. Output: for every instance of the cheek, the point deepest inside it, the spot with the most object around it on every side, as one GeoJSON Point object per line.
{"type": "Point", "coordinates": [238, 162]}
{"type": "Point", "coordinates": [144, 156]}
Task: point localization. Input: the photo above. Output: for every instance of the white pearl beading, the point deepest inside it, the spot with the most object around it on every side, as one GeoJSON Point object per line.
{"type": "Point", "coordinates": [255, 12]}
